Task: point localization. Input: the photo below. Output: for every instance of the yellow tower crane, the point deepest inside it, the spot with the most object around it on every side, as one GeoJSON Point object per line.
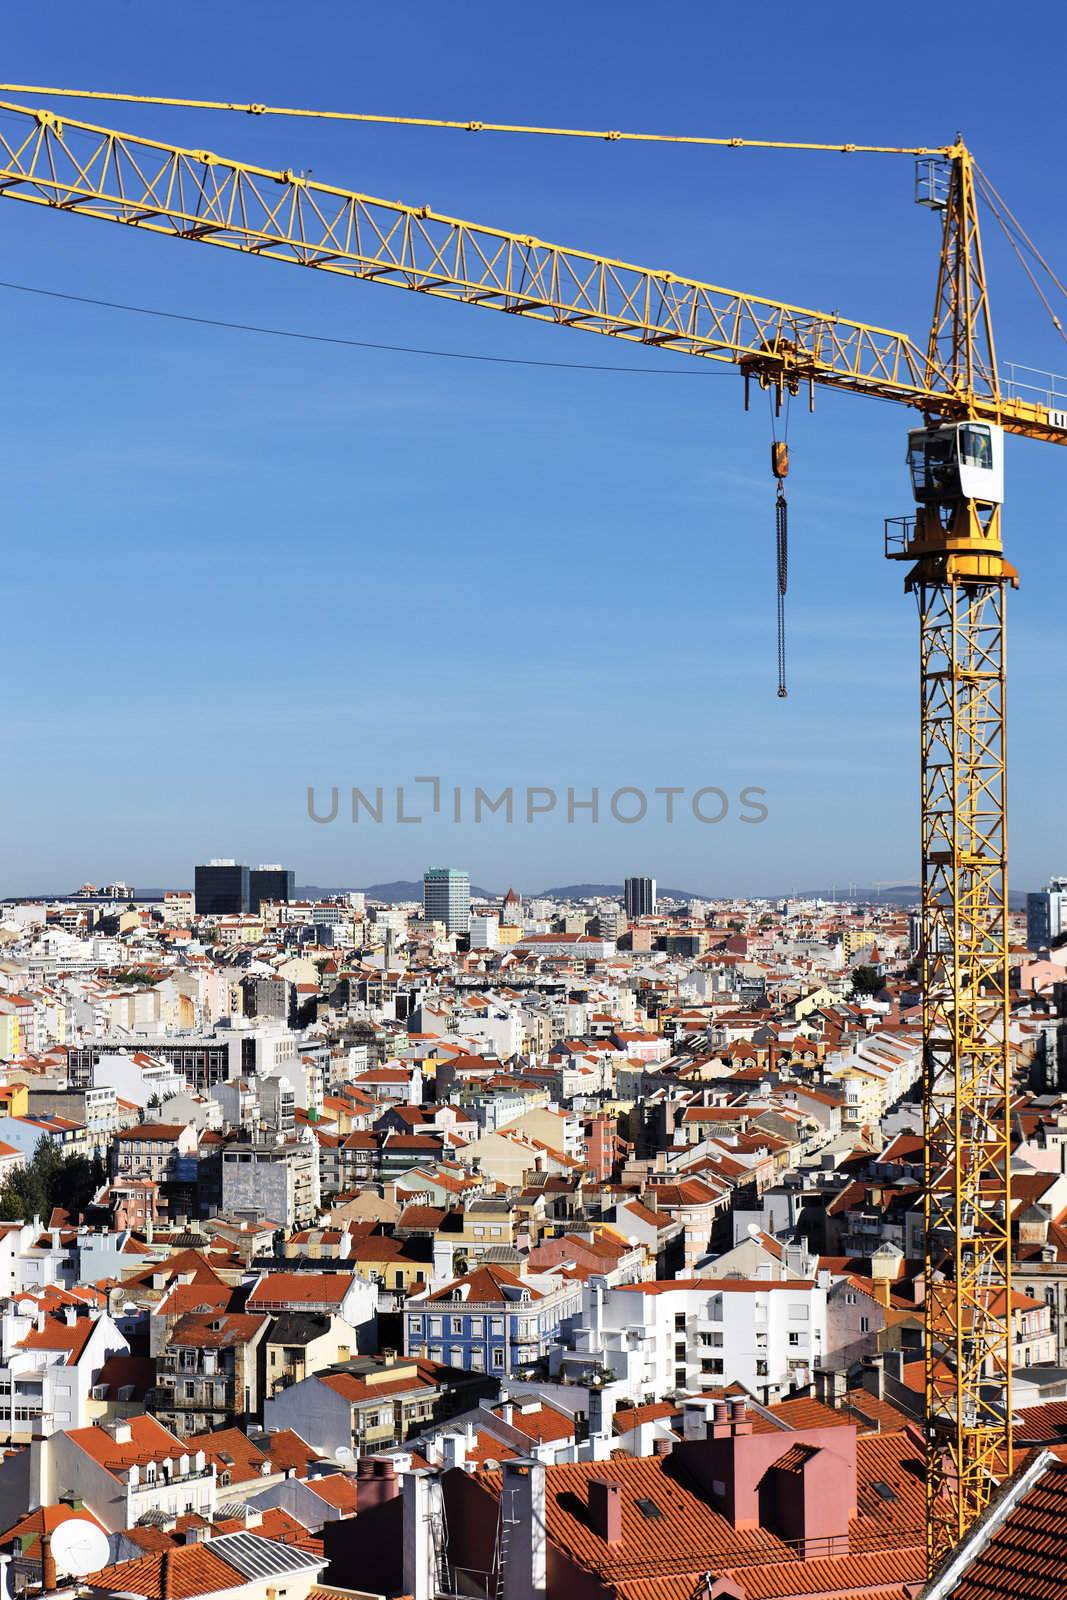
{"type": "Point", "coordinates": [957, 572]}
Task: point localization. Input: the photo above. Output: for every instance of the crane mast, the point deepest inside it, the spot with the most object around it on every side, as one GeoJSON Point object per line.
{"type": "Point", "coordinates": [960, 580]}
{"type": "Point", "coordinates": [958, 575]}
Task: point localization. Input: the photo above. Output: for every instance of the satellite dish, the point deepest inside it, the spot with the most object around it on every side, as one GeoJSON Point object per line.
{"type": "Point", "coordinates": [80, 1547]}
{"type": "Point", "coordinates": [343, 1454]}
{"type": "Point", "coordinates": [754, 1230]}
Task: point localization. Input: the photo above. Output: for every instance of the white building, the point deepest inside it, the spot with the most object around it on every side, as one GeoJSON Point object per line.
{"type": "Point", "coordinates": [138, 1076]}
{"type": "Point", "coordinates": [122, 1471]}
{"type": "Point", "coordinates": [688, 1334]}
{"type": "Point", "coordinates": [49, 1364]}
{"type": "Point", "coordinates": [485, 932]}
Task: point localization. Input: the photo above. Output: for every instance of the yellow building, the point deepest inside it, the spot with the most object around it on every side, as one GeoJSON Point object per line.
{"type": "Point", "coordinates": [14, 1097]}
{"type": "Point", "coordinates": [10, 1038]}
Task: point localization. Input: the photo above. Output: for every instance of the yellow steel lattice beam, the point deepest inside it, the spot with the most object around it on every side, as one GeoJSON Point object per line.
{"type": "Point", "coordinates": [967, 1218]}
{"type": "Point", "coordinates": [281, 216]}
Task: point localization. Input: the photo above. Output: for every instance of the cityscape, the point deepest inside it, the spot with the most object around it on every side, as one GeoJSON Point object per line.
{"type": "Point", "coordinates": [356, 1220]}
{"type": "Point", "coordinates": [533, 955]}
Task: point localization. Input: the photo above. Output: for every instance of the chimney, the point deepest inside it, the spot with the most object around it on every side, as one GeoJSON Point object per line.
{"type": "Point", "coordinates": [696, 1414]}
{"type": "Point", "coordinates": [423, 1508]}
{"type": "Point", "coordinates": [739, 1421]}
{"type": "Point", "coordinates": [605, 1509]}
{"type": "Point", "coordinates": [40, 1484]}
{"type": "Point", "coordinates": [601, 1412]}
{"type": "Point", "coordinates": [831, 1387]}
{"type": "Point", "coordinates": [874, 1378]}
{"type": "Point", "coordinates": [70, 1315]}
{"type": "Point", "coordinates": [49, 1579]}
{"type": "Point", "coordinates": [387, 1485]}
{"type": "Point", "coordinates": [366, 1488]}
{"type": "Point", "coordinates": [453, 1450]}
{"type": "Point", "coordinates": [526, 1567]}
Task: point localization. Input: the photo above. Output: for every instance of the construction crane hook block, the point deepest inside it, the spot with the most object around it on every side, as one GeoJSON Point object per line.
{"type": "Point", "coordinates": [780, 468]}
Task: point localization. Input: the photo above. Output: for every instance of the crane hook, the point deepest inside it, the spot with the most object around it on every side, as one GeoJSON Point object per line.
{"type": "Point", "coordinates": [780, 468]}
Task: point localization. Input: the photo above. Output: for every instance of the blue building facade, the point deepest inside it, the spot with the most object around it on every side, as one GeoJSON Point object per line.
{"type": "Point", "coordinates": [489, 1321]}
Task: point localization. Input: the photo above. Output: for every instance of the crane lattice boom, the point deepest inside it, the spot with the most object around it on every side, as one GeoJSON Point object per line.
{"type": "Point", "coordinates": [283, 216]}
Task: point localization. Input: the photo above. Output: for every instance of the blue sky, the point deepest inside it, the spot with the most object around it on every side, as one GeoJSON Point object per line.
{"type": "Point", "coordinates": [238, 566]}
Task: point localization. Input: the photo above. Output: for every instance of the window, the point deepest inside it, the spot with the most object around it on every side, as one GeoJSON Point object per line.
{"type": "Point", "coordinates": [865, 1324]}
{"type": "Point", "coordinates": [497, 1327]}
{"type": "Point", "coordinates": [498, 1359]}
{"type": "Point", "coordinates": [477, 1327]}
{"type": "Point", "coordinates": [457, 1324]}
{"type": "Point", "coordinates": [415, 1327]}
{"type": "Point", "coordinates": [976, 447]}
{"type": "Point", "coordinates": [761, 1369]}
{"type": "Point", "coordinates": [794, 1338]}
{"type": "Point", "coordinates": [679, 1322]}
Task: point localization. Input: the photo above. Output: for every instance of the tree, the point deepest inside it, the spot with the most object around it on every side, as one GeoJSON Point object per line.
{"type": "Point", "coordinates": [47, 1180]}
{"type": "Point", "coordinates": [867, 980]}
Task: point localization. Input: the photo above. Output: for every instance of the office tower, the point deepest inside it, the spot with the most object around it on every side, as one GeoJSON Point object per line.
{"type": "Point", "coordinates": [640, 894]}
{"type": "Point", "coordinates": [269, 882]}
{"type": "Point", "coordinates": [446, 897]}
{"type": "Point", "coordinates": [1046, 914]}
{"type": "Point", "coordinates": [221, 889]}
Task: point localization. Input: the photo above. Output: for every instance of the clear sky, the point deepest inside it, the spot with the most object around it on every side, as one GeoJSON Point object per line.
{"type": "Point", "coordinates": [238, 566]}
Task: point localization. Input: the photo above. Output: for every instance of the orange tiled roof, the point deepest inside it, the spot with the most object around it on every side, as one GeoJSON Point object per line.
{"type": "Point", "coordinates": [149, 1441]}
{"type": "Point", "coordinates": [337, 1490]}
{"type": "Point", "coordinates": [176, 1574]}
{"type": "Point", "coordinates": [300, 1288]}
{"type": "Point", "coordinates": [1027, 1555]}
{"type": "Point", "coordinates": [689, 1535]}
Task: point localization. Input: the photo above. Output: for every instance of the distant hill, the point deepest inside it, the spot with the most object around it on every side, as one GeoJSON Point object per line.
{"type": "Point", "coordinates": [390, 893]}
{"type": "Point", "coordinates": [902, 894]}
{"type": "Point", "coordinates": [614, 891]}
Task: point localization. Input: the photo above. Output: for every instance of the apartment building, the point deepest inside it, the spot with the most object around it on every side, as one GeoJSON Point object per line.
{"type": "Point", "coordinates": [683, 1335]}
